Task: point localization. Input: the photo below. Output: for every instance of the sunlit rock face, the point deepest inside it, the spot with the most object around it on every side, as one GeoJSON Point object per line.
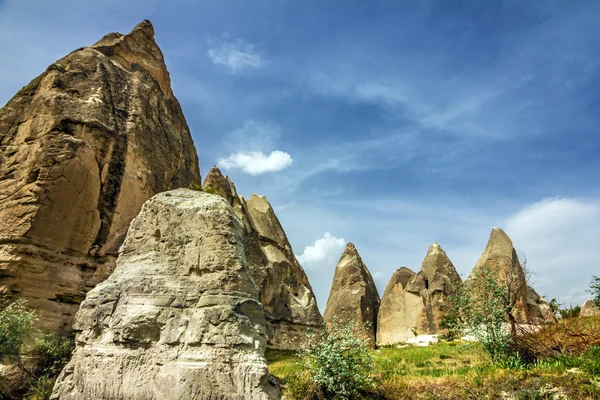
{"type": "Point", "coordinates": [353, 296]}
{"type": "Point", "coordinates": [179, 318]}
{"type": "Point", "coordinates": [415, 303]}
{"type": "Point", "coordinates": [289, 302]}
{"type": "Point", "coordinates": [82, 147]}
{"type": "Point", "coordinates": [589, 309]}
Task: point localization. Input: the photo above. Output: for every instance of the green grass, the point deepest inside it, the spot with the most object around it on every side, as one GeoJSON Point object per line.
{"type": "Point", "coordinates": [457, 370]}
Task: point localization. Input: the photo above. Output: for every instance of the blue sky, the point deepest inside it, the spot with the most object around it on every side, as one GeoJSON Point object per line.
{"type": "Point", "coordinates": [390, 124]}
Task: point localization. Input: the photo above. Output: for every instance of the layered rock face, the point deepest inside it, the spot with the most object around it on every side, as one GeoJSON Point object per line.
{"type": "Point", "coordinates": [179, 318]}
{"type": "Point", "coordinates": [81, 148]}
{"type": "Point", "coordinates": [500, 256]}
{"type": "Point", "coordinates": [287, 297]}
{"type": "Point", "coordinates": [417, 302]}
{"type": "Point", "coordinates": [589, 309]}
{"type": "Point", "coordinates": [353, 296]}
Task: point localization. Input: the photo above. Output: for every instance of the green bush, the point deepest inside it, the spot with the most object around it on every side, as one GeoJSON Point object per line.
{"type": "Point", "coordinates": [195, 186]}
{"type": "Point", "coordinates": [595, 289]}
{"type": "Point", "coordinates": [338, 362]}
{"type": "Point", "coordinates": [53, 352]}
{"type": "Point", "coordinates": [16, 327]}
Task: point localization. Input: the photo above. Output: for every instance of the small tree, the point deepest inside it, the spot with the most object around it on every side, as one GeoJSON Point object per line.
{"type": "Point", "coordinates": [16, 327]}
{"type": "Point", "coordinates": [595, 289]}
{"type": "Point", "coordinates": [338, 362]}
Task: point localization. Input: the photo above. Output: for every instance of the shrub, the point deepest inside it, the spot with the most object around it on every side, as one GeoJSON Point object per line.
{"type": "Point", "coordinates": [53, 352]}
{"type": "Point", "coordinates": [338, 362]}
{"type": "Point", "coordinates": [595, 289]}
{"type": "Point", "coordinates": [16, 326]}
{"type": "Point", "coordinates": [195, 186]}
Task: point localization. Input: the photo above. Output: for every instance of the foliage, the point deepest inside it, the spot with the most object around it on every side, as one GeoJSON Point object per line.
{"type": "Point", "coordinates": [482, 309]}
{"type": "Point", "coordinates": [595, 289]}
{"type": "Point", "coordinates": [338, 361]}
{"type": "Point", "coordinates": [53, 352]}
{"type": "Point", "coordinates": [200, 188]}
{"type": "Point", "coordinates": [16, 326]}
{"type": "Point", "coordinates": [210, 190]}
{"type": "Point", "coordinates": [195, 186]}
{"type": "Point", "coordinates": [571, 312]}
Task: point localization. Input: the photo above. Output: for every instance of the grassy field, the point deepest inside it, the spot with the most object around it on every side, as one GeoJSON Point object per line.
{"type": "Point", "coordinates": [456, 370]}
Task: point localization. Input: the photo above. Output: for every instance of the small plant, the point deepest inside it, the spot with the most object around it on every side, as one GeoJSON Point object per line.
{"type": "Point", "coordinates": [570, 312]}
{"type": "Point", "coordinates": [338, 362]}
{"type": "Point", "coordinates": [595, 289]}
{"type": "Point", "coordinates": [211, 190]}
{"type": "Point", "coordinates": [16, 327]}
{"type": "Point", "coordinates": [195, 186]}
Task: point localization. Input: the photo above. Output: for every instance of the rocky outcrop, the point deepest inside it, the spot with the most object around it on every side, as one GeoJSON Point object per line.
{"type": "Point", "coordinates": [179, 318]}
{"type": "Point", "coordinates": [589, 309]}
{"type": "Point", "coordinates": [289, 302]}
{"type": "Point", "coordinates": [538, 309]}
{"type": "Point", "coordinates": [502, 260]}
{"type": "Point", "coordinates": [353, 296]}
{"type": "Point", "coordinates": [81, 148]}
{"type": "Point", "coordinates": [415, 303]}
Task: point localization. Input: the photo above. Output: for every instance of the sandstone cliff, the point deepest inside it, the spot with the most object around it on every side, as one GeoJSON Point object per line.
{"type": "Point", "coordinates": [289, 302]}
{"type": "Point", "coordinates": [500, 256]}
{"type": "Point", "coordinates": [179, 318]}
{"type": "Point", "coordinates": [353, 296]}
{"type": "Point", "coordinates": [416, 303]}
{"type": "Point", "coordinates": [81, 148]}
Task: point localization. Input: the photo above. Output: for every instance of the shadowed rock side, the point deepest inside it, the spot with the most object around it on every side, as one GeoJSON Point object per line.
{"type": "Point", "coordinates": [500, 256]}
{"type": "Point", "coordinates": [589, 309]}
{"type": "Point", "coordinates": [179, 318]}
{"type": "Point", "coordinates": [289, 302]}
{"type": "Point", "coordinates": [81, 148]}
{"type": "Point", "coordinates": [417, 302]}
{"type": "Point", "coordinates": [353, 296]}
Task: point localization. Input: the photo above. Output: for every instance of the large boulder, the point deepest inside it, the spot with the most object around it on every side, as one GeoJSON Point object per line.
{"type": "Point", "coordinates": [179, 318]}
{"type": "Point", "coordinates": [589, 309]}
{"type": "Point", "coordinates": [289, 302]}
{"type": "Point", "coordinates": [416, 303]}
{"type": "Point", "coordinates": [502, 260]}
{"type": "Point", "coordinates": [353, 296]}
{"type": "Point", "coordinates": [81, 148]}
{"type": "Point", "coordinates": [538, 309]}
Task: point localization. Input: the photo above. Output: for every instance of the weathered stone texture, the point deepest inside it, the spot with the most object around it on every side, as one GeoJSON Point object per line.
{"type": "Point", "coordinates": [353, 296]}
{"type": "Point", "coordinates": [81, 148]}
{"type": "Point", "coordinates": [589, 309]}
{"type": "Point", "coordinates": [289, 302]}
{"type": "Point", "coordinates": [500, 256]}
{"type": "Point", "coordinates": [538, 309]}
{"type": "Point", "coordinates": [179, 318]}
{"type": "Point", "coordinates": [417, 302]}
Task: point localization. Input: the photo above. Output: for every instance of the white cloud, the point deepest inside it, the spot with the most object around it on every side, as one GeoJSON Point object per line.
{"type": "Point", "coordinates": [327, 248]}
{"type": "Point", "coordinates": [235, 55]}
{"type": "Point", "coordinates": [256, 162]}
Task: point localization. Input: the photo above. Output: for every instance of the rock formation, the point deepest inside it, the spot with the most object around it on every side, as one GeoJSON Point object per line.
{"type": "Point", "coordinates": [417, 302]}
{"type": "Point", "coordinates": [538, 309]}
{"type": "Point", "coordinates": [289, 302]}
{"type": "Point", "coordinates": [81, 148]}
{"type": "Point", "coordinates": [179, 318]}
{"type": "Point", "coordinates": [500, 256]}
{"type": "Point", "coordinates": [589, 309]}
{"type": "Point", "coordinates": [353, 296]}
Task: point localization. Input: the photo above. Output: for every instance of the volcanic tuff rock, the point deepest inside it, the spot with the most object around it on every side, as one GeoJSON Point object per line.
{"type": "Point", "coordinates": [500, 256]}
{"type": "Point", "coordinates": [179, 318]}
{"type": "Point", "coordinates": [287, 297]}
{"type": "Point", "coordinates": [353, 296]}
{"type": "Point", "coordinates": [417, 302]}
{"type": "Point", "coordinates": [538, 308]}
{"type": "Point", "coordinates": [589, 309]}
{"type": "Point", "coordinates": [81, 148]}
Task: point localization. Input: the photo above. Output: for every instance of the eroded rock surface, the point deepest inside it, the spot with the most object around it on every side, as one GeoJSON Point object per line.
{"type": "Point", "coordinates": [502, 260]}
{"type": "Point", "coordinates": [81, 148]}
{"type": "Point", "coordinates": [589, 309]}
{"type": "Point", "coordinates": [538, 309]}
{"type": "Point", "coordinates": [289, 302]}
{"type": "Point", "coordinates": [353, 296]}
{"type": "Point", "coordinates": [416, 303]}
{"type": "Point", "coordinates": [179, 318]}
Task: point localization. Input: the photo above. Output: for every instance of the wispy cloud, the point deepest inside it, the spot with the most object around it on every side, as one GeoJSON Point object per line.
{"type": "Point", "coordinates": [327, 248]}
{"type": "Point", "coordinates": [235, 55]}
{"type": "Point", "coordinates": [256, 162]}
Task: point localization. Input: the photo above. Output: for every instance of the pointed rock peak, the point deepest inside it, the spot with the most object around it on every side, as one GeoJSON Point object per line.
{"type": "Point", "coordinates": [350, 249]}
{"type": "Point", "coordinates": [259, 203]}
{"type": "Point", "coordinates": [437, 261]}
{"type": "Point", "coordinates": [401, 276]}
{"type": "Point", "coordinates": [222, 185]}
{"type": "Point", "coordinates": [499, 236]}
{"type": "Point", "coordinates": [145, 26]}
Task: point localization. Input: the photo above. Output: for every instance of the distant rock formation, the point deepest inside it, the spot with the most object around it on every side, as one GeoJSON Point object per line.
{"type": "Point", "coordinates": [538, 309]}
{"type": "Point", "coordinates": [289, 302]}
{"type": "Point", "coordinates": [179, 318]}
{"type": "Point", "coordinates": [589, 309]}
{"type": "Point", "coordinates": [81, 148]}
{"type": "Point", "coordinates": [500, 256]}
{"type": "Point", "coordinates": [415, 303]}
{"type": "Point", "coordinates": [353, 296]}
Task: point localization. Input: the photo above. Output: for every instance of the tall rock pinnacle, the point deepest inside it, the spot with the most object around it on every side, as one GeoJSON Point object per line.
{"type": "Point", "coordinates": [82, 146]}
{"type": "Point", "coordinates": [353, 296]}
{"type": "Point", "coordinates": [290, 305]}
